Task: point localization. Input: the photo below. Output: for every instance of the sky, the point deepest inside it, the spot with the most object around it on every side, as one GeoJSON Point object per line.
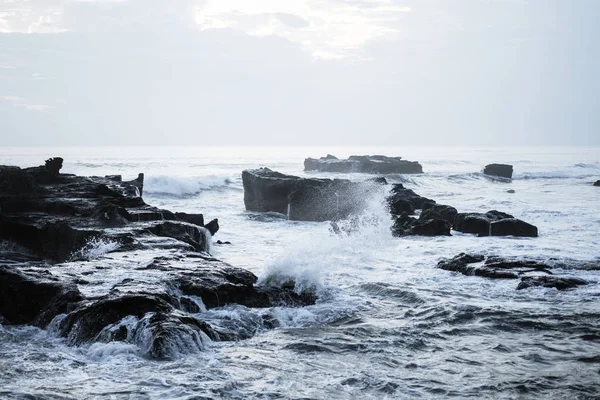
{"type": "Point", "coordinates": [299, 72]}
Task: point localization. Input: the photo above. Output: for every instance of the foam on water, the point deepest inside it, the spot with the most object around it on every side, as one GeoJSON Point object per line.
{"type": "Point", "coordinates": [179, 186]}
{"type": "Point", "coordinates": [387, 322]}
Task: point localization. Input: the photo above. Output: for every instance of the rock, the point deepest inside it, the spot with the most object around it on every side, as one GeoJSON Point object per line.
{"type": "Point", "coordinates": [476, 223]}
{"type": "Point", "coordinates": [186, 233]}
{"type": "Point", "coordinates": [405, 226]}
{"type": "Point", "coordinates": [597, 183]}
{"type": "Point", "coordinates": [213, 226]}
{"type": "Point", "coordinates": [138, 183]}
{"type": "Point", "coordinates": [501, 170]}
{"type": "Point", "coordinates": [34, 298]}
{"type": "Point", "coordinates": [511, 191]}
{"type": "Point", "coordinates": [267, 190]}
{"type": "Point", "coordinates": [439, 211]}
{"type": "Point", "coordinates": [53, 165]}
{"type": "Point", "coordinates": [164, 336]}
{"type": "Point", "coordinates": [560, 283]}
{"type": "Point", "coordinates": [504, 224]}
{"type": "Point", "coordinates": [196, 219]}
{"type": "Point", "coordinates": [15, 181]}
{"type": "Point", "coordinates": [86, 323]}
{"type": "Point", "coordinates": [305, 199]}
{"type": "Point", "coordinates": [493, 267]}
{"type": "Point", "coordinates": [377, 164]}
{"type": "Point", "coordinates": [100, 228]}
{"type": "Point", "coordinates": [513, 227]}
{"type": "Point", "coordinates": [405, 200]}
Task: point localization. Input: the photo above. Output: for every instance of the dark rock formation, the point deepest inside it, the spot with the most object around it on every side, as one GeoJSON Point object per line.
{"type": "Point", "coordinates": [304, 199]}
{"type": "Point", "coordinates": [494, 267]}
{"type": "Point", "coordinates": [89, 320]}
{"type": "Point", "coordinates": [494, 223]}
{"type": "Point", "coordinates": [597, 183]}
{"type": "Point", "coordinates": [213, 226]}
{"type": "Point", "coordinates": [560, 283]}
{"type": "Point", "coordinates": [500, 170]}
{"type": "Point", "coordinates": [439, 211]}
{"type": "Point", "coordinates": [34, 298]}
{"type": "Point", "coordinates": [54, 165]}
{"type": "Point", "coordinates": [405, 225]}
{"type": "Point", "coordinates": [512, 227]}
{"type": "Point", "coordinates": [196, 219]}
{"type": "Point", "coordinates": [405, 200]}
{"type": "Point", "coordinates": [366, 164]}
{"type": "Point", "coordinates": [308, 199]}
{"type": "Point", "coordinates": [93, 229]}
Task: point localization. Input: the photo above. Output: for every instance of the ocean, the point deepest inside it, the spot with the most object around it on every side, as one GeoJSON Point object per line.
{"type": "Point", "coordinates": [387, 323]}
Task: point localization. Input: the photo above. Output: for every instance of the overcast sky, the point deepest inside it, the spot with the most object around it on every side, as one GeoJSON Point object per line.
{"type": "Point", "coordinates": [312, 72]}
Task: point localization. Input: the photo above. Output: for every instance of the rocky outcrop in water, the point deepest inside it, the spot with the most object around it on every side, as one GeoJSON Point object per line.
{"type": "Point", "coordinates": [92, 257]}
{"type": "Point", "coordinates": [597, 183]}
{"type": "Point", "coordinates": [310, 199]}
{"type": "Point", "coordinates": [376, 164]}
{"type": "Point", "coordinates": [305, 199]}
{"type": "Point", "coordinates": [499, 170]}
{"type": "Point", "coordinates": [493, 223]}
{"type": "Point", "coordinates": [560, 283]}
{"type": "Point", "coordinates": [532, 273]}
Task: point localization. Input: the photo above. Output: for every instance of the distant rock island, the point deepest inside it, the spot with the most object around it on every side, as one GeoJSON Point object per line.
{"type": "Point", "coordinates": [500, 170]}
{"type": "Point", "coordinates": [376, 164]}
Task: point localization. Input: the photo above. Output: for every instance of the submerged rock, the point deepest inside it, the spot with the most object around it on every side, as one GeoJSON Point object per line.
{"type": "Point", "coordinates": [560, 283]}
{"type": "Point", "coordinates": [376, 164]}
{"type": "Point", "coordinates": [505, 268]}
{"type": "Point", "coordinates": [500, 170]}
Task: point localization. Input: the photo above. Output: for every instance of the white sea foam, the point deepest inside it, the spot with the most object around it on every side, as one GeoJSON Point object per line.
{"type": "Point", "coordinates": [95, 248]}
{"type": "Point", "coordinates": [179, 186]}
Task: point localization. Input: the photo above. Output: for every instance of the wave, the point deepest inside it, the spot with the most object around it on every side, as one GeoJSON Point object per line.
{"type": "Point", "coordinates": [558, 174]}
{"type": "Point", "coordinates": [184, 186]}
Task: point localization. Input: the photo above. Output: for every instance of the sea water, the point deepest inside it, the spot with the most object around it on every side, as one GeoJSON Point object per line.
{"type": "Point", "coordinates": [388, 323]}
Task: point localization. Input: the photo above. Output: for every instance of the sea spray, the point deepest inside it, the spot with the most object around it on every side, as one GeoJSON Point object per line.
{"type": "Point", "coordinates": [95, 248]}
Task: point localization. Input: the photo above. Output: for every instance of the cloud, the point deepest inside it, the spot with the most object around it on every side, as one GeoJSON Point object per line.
{"type": "Point", "coordinates": [327, 29]}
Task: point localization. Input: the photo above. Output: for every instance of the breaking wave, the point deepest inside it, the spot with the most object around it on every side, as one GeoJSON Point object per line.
{"type": "Point", "coordinates": [184, 186]}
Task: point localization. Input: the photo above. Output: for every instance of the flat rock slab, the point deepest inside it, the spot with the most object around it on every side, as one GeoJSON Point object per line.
{"type": "Point", "coordinates": [376, 164]}
{"type": "Point", "coordinates": [305, 199]}
{"type": "Point", "coordinates": [557, 282]}
{"type": "Point", "coordinates": [499, 170]}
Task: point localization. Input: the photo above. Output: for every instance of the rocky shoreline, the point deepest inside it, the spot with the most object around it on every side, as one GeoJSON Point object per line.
{"type": "Point", "coordinates": [89, 259]}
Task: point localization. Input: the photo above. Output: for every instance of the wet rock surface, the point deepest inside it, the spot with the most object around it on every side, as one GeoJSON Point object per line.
{"type": "Point", "coordinates": [305, 199]}
{"type": "Point", "coordinates": [531, 273]}
{"type": "Point", "coordinates": [376, 164]}
{"type": "Point", "coordinates": [499, 170]}
{"type": "Point", "coordinates": [93, 260]}
{"type": "Point", "coordinates": [310, 199]}
{"type": "Point", "coordinates": [560, 283]}
{"type": "Point", "coordinates": [597, 183]}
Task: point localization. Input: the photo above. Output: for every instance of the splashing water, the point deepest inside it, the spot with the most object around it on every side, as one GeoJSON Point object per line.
{"type": "Point", "coordinates": [94, 249]}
